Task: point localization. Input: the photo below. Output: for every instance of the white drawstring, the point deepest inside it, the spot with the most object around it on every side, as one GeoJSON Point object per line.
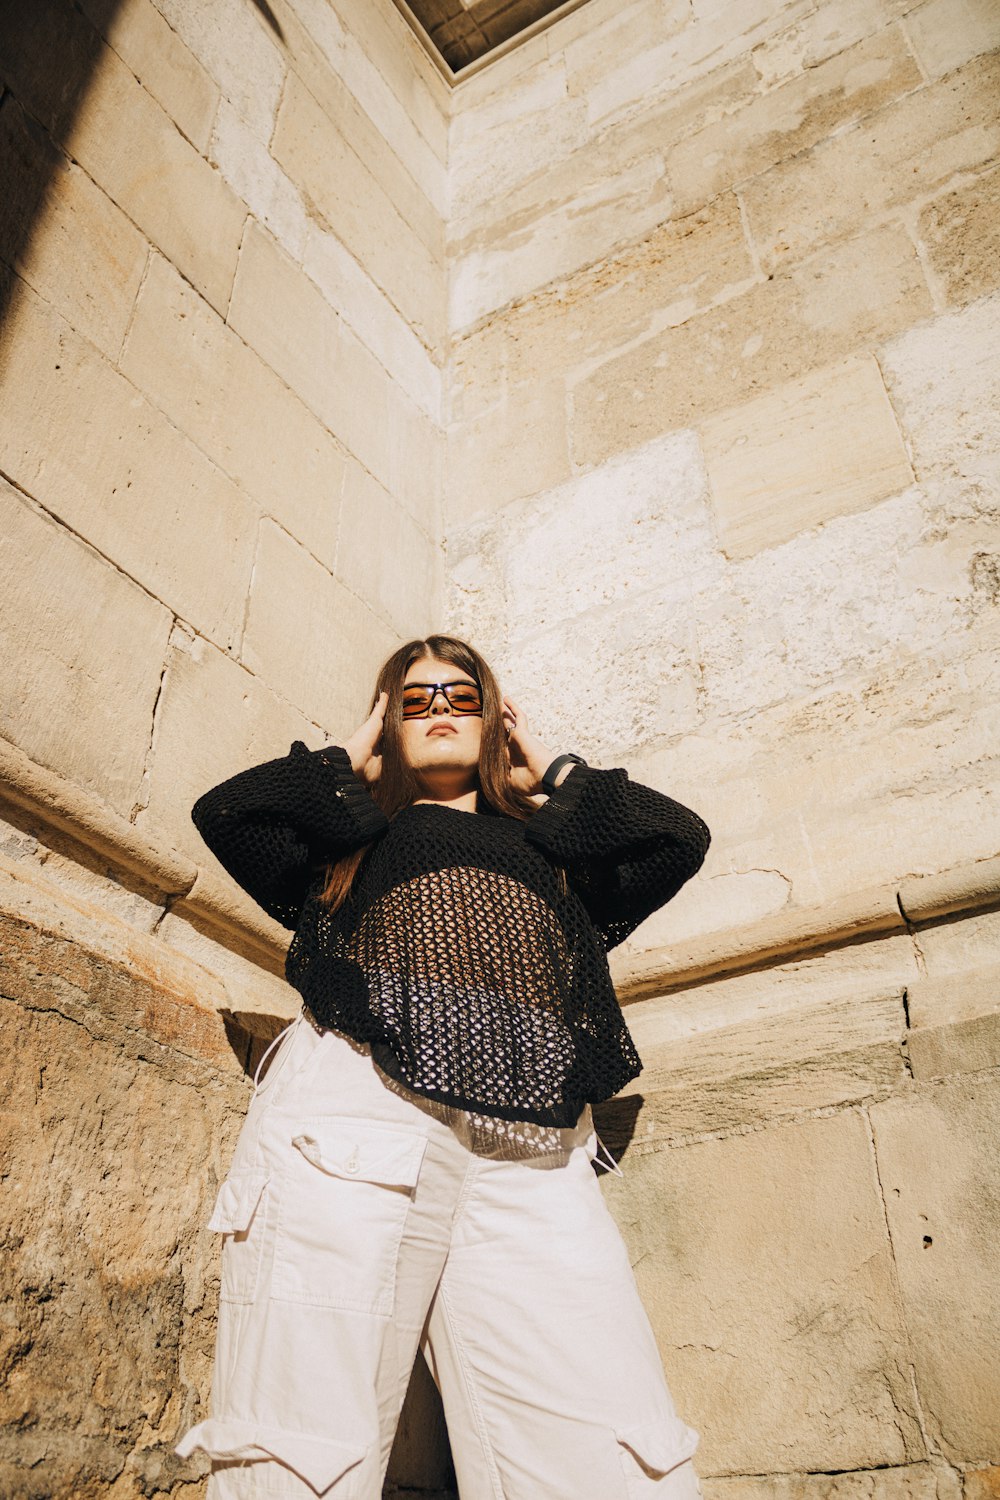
{"type": "Point", "coordinates": [614, 1167]}
{"type": "Point", "coordinates": [270, 1049]}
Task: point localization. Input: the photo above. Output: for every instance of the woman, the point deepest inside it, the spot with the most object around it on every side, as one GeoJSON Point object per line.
{"type": "Point", "coordinates": [414, 1170]}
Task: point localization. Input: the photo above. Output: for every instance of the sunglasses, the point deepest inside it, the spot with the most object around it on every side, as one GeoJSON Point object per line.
{"type": "Point", "coordinates": [463, 698]}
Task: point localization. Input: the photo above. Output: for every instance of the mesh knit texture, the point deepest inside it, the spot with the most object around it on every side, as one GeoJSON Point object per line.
{"type": "Point", "coordinates": [456, 956]}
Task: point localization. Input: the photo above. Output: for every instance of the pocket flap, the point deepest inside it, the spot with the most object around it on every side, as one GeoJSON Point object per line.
{"type": "Point", "coordinates": [319, 1461]}
{"type": "Point", "coordinates": [659, 1446]}
{"type": "Point", "coordinates": [237, 1200]}
{"type": "Point", "coordinates": [362, 1150]}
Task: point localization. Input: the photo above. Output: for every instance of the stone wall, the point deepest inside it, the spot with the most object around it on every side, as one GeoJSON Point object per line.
{"type": "Point", "coordinates": [660, 360]}
{"type": "Point", "coordinates": [723, 481]}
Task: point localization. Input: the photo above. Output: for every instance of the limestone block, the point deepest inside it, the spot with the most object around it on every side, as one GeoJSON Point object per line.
{"type": "Point", "coordinates": [831, 1051]}
{"type": "Point", "coordinates": [160, 60]}
{"type": "Point", "coordinates": [902, 153]}
{"type": "Point", "coordinates": [793, 458]}
{"type": "Point", "coordinates": [72, 244]}
{"type": "Point", "coordinates": [822, 34]}
{"type": "Point", "coordinates": [574, 186]}
{"type": "Point", "coordinates": [636, 527]}
{"type": "Point", "coordinates": [960, 232]}
{"type": "Point", "coordinates": [121, 476]}
{"type": "Point", "coordinates": [267, 441]}
{"type": "Point", "coordinates": [506, 454]}
{"type": "Point", "coordinates": [520, 133]}
{"type": "Point", "coordinates": [410, 130]}
{"type": "Point", "coordinates": [794, 600]}
{"type": "Point", "coordinates": [790, 119]}
{"type": "Point", "coordinates": [387, 71]}
{"type": "Point", "coordinates": [492, 265]}
{"type": "Point", "coordinates": [764, 1262]}
{"type": "Point", "coordinates": [350, 290]}
{"type": "Point", "coordinates": [416, 461]}
{"type": "Point", "coordinates": [240, 53]}
{"type": "Point", "coordinates": [929, 1481]}
{"type": "Point", "coordinates": [182, 205]}
{"type": "Point", "coordinates": [937, 1158]}
{"type": "Point", "coordinates": [698, 40]}
{"type": "Point", "coordinates": [215, 719]}
{"type": "Point", "coordinates": [966, 1046]}
{"type": "Point", "coordinates": [958, 958]}
{"type": "Point", "coordinates": [843, 299]}
{"type": "Point", "coordinates": [674, 272]}
{"type": "Point", "coordinates": [944, 381]}
{"type": "Point", "coordinates": [303, 626]}
{"type": "Point", "coordinates": [285, 318]}
{"type": "Point", "coordinates": [253, 174]}
{"type": "Point", "coordinates": [947, 33]}
{"type": "Point", "coordinates": [83, 659]}
{"type": "Point", "coordinates": [352, 201]}
{"type": "Point", "coordinates": [384, 557]}
{"type": "Point", "coordinates": [617, 673]}
{"type": "Point", "coordinates": [417, 190]}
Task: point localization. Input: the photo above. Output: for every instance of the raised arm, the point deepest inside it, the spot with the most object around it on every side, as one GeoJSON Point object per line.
{"type": "Point", "coordinates": [627, 848]}
{"type": "Point", "coordinates": [271, 825]}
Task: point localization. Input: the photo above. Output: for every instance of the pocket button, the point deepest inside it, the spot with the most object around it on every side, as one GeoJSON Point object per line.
{"type": "Point", "coordinates": [352, 1161]}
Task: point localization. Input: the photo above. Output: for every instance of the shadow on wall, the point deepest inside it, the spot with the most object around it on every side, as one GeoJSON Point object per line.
{"type": "Point", "coordinates": [47, 61]}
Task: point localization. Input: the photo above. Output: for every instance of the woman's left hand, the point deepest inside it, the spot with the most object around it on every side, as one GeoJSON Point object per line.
{"type": "Point", "coordinates": [529, 757]}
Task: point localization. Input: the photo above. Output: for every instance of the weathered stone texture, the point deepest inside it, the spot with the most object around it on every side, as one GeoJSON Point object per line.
{"type": "Point", "coordinates": [842, 299]}
{"type": "Point", "coordinates": [155, 53]}
{"type": "Point", "coordinates": [903, 153]}
{"type": "Point", "coordinates": [303, 624]}
{"type": "Point", "coordinates": [121, 1104]}
{"type": "Point", "coordinates": [130, 484]}
{"type": "Point", "coordinates": [946, 33]}
{"type": "Point", "coordinates": [961, 235]}
{"type": "Point", "coordinates": [52, 704]}
{"type": "Point", "coordinates": [800, 454]}
{"type": "Point", "coordinates": [937, 1152]}
{"type": "Point", "coordinates": [82, 254]}
{"type": "Point", "coordinates": [767, 1270]}
{"type": "Point", "coordinates": [344, 191]}
{"type": "Point", "coordinates": [786, 121]}
{"type": "Point", "coordinates": [268, 442]}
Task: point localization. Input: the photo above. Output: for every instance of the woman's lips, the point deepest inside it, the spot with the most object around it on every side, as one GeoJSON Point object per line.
{"type": "Point", "coordinates": [441, 729]}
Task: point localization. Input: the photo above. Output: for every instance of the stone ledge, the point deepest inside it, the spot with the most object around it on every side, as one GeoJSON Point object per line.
{"type": "Point", "coordinates": [875, 912]}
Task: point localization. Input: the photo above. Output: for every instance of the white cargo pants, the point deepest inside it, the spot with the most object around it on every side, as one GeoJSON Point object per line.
{"type": "Point", "coordinates": [361, 1221]}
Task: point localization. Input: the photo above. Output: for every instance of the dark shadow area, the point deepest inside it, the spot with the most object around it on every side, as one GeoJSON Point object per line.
{"type": "Point", "coordinates": [615, 1122]}
{"type": "Point", "coordinates": [270, 18]}
{"type": "Point", "coordinates": [48, 53]}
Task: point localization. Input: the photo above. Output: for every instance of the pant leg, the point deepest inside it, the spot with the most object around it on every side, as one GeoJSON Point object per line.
{"type": "Point", "coordinates": [544, 1354]}
{"type": "Point", "coordinates": [336, 1218]}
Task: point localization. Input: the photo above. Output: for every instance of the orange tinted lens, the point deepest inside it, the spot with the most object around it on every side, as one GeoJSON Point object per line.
{"type": "Point", "coordinates": [464, 699]}
{"type": "Point", "coordinates": [415, 701]}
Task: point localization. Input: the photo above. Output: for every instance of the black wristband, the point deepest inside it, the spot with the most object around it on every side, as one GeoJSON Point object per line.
{"type": "Point", "coordinates": [548, 781]}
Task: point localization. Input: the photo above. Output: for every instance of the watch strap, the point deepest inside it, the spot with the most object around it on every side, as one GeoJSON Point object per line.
{"type": "Point", "coordinates": [548, 780]}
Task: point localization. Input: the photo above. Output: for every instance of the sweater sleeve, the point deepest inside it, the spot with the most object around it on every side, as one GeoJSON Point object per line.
{"type": "Point", "coordinates": [627, 848]}
{"type": "Point", "coordinates": [272, 825]}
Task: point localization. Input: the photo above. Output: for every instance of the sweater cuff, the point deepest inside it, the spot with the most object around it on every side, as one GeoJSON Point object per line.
{"type": "Point", "coordinates": [365, 813]}
{"type": "Point", "coordinates": [562, 803]}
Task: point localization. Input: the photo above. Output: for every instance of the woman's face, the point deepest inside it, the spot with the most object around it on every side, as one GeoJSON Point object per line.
{"type": "Point", "coordinates": [444, 740]}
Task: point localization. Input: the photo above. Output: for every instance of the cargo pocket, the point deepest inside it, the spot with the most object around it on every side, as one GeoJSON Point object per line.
{"type": "Point", "coordinates": [650, 1450]}
{"type": "Point", "coordinates": [319, 1461]}
{"type": "Point", "coordinates": [239, 1216]}
{"type": "Point", "coordinates": [344, 1197]}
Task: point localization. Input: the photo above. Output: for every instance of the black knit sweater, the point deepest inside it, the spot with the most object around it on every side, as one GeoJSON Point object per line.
{"type": "Point", "coordinates": [456, 955]}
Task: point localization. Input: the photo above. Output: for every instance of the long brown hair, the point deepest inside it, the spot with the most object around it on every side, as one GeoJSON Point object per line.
{"type": "Point", "coordinates": [397, 785]}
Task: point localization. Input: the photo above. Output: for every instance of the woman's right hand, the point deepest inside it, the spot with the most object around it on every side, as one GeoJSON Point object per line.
{"type": "Point", "coordinates": [361, 745]}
